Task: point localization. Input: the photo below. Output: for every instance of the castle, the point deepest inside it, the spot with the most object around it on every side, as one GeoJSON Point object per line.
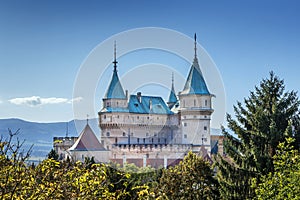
{"type": "Point", "coordinates": [146, 130]}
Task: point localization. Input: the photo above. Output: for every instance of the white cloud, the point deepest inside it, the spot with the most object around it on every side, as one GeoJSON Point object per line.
{"type": "Point", "coordinates": [37, 101]}
{"type": "Point", "coordinates": [75, 100]}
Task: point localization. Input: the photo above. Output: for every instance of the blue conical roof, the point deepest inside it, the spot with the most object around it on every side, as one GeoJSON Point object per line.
{"type": "Point", "coordinates": [115, 89]}
{"type": "Point", "coordinates": [172, 96]}
{"type": "Point", "coordinates": [195, 83]}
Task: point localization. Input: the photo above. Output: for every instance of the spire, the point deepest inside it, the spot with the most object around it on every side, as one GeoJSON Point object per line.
{"type": "Point", "coordinates": [115, 57]}
{"type": "Point", "coordinates": [115, 89]}
{"type": "Point", "coordinates": [195, 83]}
{"type": "Point", "coordinates": [172, 97]}
{"type": "Point", "coordinates": [195, 48]}
{"type": "Point", "coordinates": [87, 119]}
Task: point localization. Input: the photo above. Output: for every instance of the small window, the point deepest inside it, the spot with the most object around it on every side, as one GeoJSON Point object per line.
{"type": "Point", "coordinates": [116, 140]}
{"type": "Point", "coordinates": [194, 102]}
{"type": "Point", "coordinates": [185, 136]}
{"type": "Point", "coordinates": [118, 116]}
{"type": "Point", "coordinates": [205, 128]}
{"type": "Point", "coordinates": [138, 140]}
{"type": "Point", "coordinates": [195, 116]}
{"type": "Point", "coordinates": [107, 134]}
{"type": "Point", "coordinates": [138, 117]}
{"type": "Point", "coordinates": [117, 103]}
{"type": "Point", "coordinates": [185, 124]}
{"type": "Point", "coordinates": [136, 105]}
{"type": "Point", "coordinates": [147, 134]}
{"type": "Point", "coordinates": [148, 117]}
{"type": "Point", "coordinates": [205, 102]}
{"type": "Point", "coordinates": [104, 116]}
{"type": "Point", "coordinates": [107, 104]}
{"type": "Point", "coordinates": [144, 140]}
{"type": "Point", "coordinates": [124, 134]}
{"type": "Point", "coordinates": [158, 140]}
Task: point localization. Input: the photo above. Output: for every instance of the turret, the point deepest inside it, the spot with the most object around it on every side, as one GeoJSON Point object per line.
{"type": "Point", "coordinates": [115, 96]}
{"type": "Point", "coordinates": [195, 107]}
{"type": "Point", "coordinates": [172, 97]}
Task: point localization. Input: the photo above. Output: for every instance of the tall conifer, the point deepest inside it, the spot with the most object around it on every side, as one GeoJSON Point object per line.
{"type": "Point", "coordinates": [266, 118]}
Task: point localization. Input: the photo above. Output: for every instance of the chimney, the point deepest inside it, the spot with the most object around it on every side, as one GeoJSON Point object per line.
{"type": "Point", "coordinates": [139, 96]}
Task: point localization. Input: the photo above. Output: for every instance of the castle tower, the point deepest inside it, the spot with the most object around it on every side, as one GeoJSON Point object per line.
{"type": "Point", "coordinates": [114, 100]}
{"type": "Point", "coordinates": [172, 97]}
{"type": "Point", "coordinates": [195, 108]}
{"type": "Point", "coordinates": [115, 96]}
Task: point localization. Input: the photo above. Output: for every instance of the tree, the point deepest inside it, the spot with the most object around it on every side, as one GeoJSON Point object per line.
{"type": "Point", "coordinates": [13, 171]}
{"type": "Point", "coordinates": [284, 182]}
{"type": "Point", "coordinates": [191, 179]}
{"type": "Point", "coordinates": [53, 155]}
{"type": "Point", "coordinates": [267, 118]}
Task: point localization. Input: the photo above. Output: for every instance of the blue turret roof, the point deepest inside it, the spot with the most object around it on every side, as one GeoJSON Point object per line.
{"type": "Point", "coordinates": [195, 83]}
{"type": "Point", "coordinates": [115, 89]}
{"type": "Point", "coordinates": [172, 96]}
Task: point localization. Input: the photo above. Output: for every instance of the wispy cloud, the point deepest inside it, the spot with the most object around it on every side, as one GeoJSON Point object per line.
{"type": "Point", "coordinates": [75, 100]}
{"type": "Point", "coordinates": [38, 101]}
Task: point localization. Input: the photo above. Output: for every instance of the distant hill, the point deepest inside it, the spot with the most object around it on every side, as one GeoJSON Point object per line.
{"type": "Point", "coordinates": [41, 134]}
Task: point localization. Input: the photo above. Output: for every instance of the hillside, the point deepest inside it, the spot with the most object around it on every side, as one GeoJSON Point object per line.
{"type": "Point", "coordinates": [40, 135]}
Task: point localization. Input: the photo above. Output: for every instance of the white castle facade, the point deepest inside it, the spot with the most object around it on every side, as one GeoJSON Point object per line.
{"type": "Point", "coordinates": [146, 130]}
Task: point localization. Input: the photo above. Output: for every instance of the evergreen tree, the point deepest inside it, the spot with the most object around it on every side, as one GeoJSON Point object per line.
{"type": "Point", "coordinates": [268, 116]}
{"type": "Point", "coordinates": [53, 155]}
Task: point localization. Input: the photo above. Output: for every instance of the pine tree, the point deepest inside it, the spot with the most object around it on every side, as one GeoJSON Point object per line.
{"type": "Point", "coordinates": [268, 116]}
{"type": "Point", "coordinates": [53, 155]}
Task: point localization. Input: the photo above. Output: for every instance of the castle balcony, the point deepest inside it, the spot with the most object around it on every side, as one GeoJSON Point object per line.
{"type": "Point", "coordinates": [143, 148]}
{"type": "Point", "coordinates": [135, 125]}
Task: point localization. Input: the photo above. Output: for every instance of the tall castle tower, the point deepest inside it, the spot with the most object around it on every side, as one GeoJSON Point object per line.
{"type": "Point", "coordinates": [195, 108]}
{"type": "Point", "coordinates": [114, 100]}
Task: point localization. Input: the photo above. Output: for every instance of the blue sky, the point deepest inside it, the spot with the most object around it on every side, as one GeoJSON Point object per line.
{"type": "Point", "coordinates": [43, 44]}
